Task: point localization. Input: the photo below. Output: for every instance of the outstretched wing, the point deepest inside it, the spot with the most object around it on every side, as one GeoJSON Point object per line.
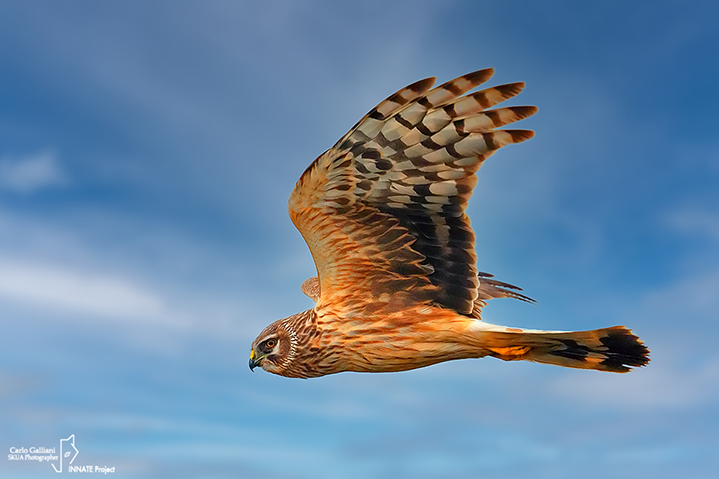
{"type": "Point", "coordinates": [383, 210]}
{"type": "Point", "coordinates": [488, 289]}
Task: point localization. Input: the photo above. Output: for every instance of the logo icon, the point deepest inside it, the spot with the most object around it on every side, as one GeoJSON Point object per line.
{"type": "Point", "coordinates": [67, 446]}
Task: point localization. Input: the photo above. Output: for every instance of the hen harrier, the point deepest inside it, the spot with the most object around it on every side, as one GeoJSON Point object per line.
{"type": "Point", "coordinates": [383, 213]}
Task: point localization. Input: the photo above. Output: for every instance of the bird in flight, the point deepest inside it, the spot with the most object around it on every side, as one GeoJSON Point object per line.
{"type": "Point", "coordinates": [397, 286]}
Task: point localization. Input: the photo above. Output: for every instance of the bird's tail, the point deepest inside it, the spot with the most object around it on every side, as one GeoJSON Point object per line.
{"type": "Point", "coordinates": [613, 349]}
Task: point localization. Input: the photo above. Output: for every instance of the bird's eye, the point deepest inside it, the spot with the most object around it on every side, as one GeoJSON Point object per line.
{"type": "Point", "coordinates": [271, 343]}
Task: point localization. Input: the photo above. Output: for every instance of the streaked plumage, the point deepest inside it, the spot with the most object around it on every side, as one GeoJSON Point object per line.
{"type": "Point", "coordinates": [383, 213]}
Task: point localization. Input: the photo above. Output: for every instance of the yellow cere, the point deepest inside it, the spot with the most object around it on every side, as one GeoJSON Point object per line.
{"type": "Point", "coordinates": [252, 355]}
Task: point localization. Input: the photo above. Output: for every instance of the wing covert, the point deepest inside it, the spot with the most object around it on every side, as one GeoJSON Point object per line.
{"type": "Point", "coordinates": [383, 210]}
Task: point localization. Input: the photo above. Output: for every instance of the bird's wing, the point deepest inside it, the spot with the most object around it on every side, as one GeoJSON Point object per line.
{"type": "Point", "coordinates": [311, 288]}
{"type": "Point", "coordinates": [383, 210]}
{"type": "Point", "coordinates": [490, 289]}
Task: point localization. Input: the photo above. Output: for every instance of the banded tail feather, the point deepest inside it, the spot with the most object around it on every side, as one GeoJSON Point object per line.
{"type": "Point", "coordinates": [613, 349]}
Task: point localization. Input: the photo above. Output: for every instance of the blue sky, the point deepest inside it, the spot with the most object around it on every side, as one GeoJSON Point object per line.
{"type": "Point", "coordinates": [147, 150]}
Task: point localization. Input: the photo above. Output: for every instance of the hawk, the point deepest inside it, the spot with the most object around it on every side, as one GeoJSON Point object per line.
{"type": "Point", "coordinates": [383, 214]}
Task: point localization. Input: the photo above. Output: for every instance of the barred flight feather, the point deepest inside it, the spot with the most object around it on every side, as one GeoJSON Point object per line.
{"type": "Point", "coordinates": [412, 158]}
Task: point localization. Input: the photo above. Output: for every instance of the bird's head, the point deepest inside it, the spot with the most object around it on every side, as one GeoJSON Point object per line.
{"type": "Point", "coordinates": [274, 349]}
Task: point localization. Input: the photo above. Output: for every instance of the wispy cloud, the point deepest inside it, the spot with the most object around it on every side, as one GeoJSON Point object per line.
{"type": "Point", "coordinates": [30, 173]}
{"type": "Point", "coordinates": [56, 288]}
{"type": "Point", "coordinates": [659, 386]}
{"type": "Point", "coordinates": [693, 296]}
{"type": "Point", "coordinates": [694, 221]}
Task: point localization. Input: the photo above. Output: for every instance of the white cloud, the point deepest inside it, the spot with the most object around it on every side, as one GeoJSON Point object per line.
{"type": "Point", "coordinates": [54, 288]}
{"type": "Point", "coordinates": [30, 173]}
{"type": "Point", "coordinates": [659, 385]}
{"type": "Point", "coordinates": [694, 296]}
{"type": "Point", "coordinates": [695, 222]}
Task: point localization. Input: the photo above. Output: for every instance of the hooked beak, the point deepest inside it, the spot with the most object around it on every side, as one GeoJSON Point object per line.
{"type": "Point", "coordinates": [254, 361]}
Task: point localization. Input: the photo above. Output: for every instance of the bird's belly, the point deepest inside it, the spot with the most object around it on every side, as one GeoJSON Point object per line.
{"type": "Point", "coordinates": [401, 341]}
{"type": "Point", "coordinates": [401, 352]}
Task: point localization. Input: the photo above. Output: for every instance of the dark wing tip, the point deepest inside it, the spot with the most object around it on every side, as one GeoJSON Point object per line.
{"type": "Point", "coordinates": [519, 136]}
{"type": "Point", "coordinates": [480, 76]}
{"type": "Point", "coordinates": [524, 111]}
{"type": "Point", "coordinates": [511, 89]}
{"type": "Point", "coordinates": [421, 86]}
